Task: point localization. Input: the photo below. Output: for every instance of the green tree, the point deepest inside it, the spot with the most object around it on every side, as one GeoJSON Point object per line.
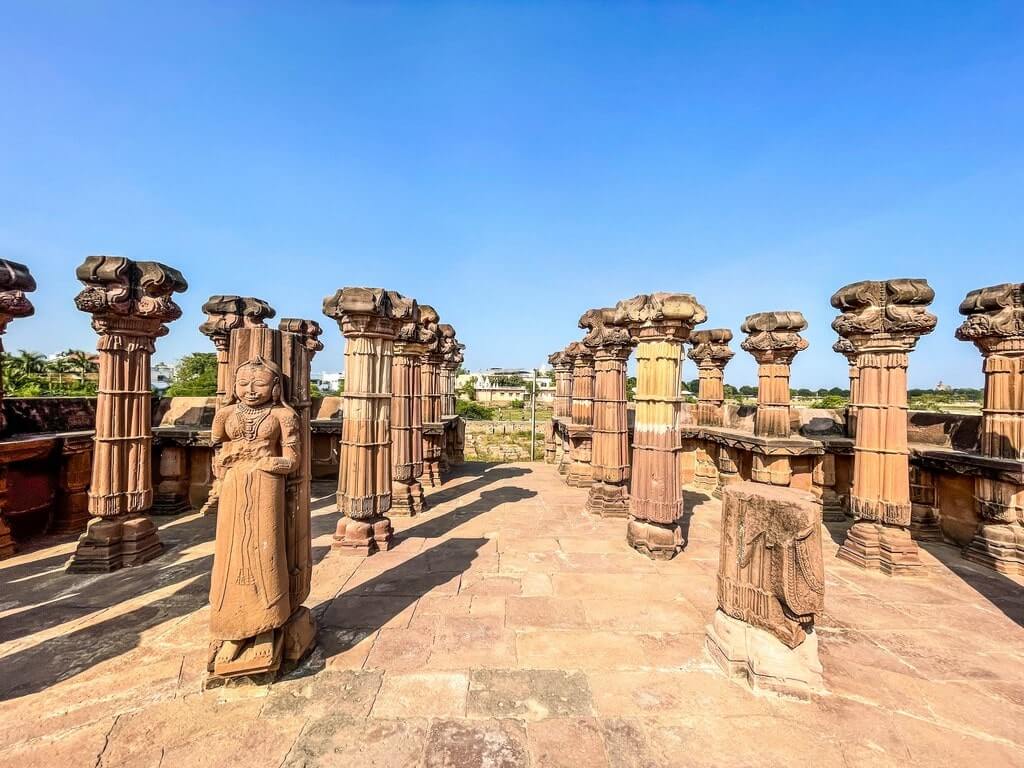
{"type": "Point", "coordinates": [195, 376]}
{"type": "Point", "coordinates": [467, 388]}
{"type": "Point", "coordinates": [80, 362]}
{"type": "Point", "coordinates": [630, 388]}
{"type": "Point", "coordinates": [473, 411]}
{"type": "Point", "coordinates": [748, 391]}
{"type": "Point", "coordinates": [506, 380]}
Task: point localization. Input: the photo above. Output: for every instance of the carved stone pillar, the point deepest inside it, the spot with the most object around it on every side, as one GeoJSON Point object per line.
{"type": "Point", "coordinates": [883, 321]}
{"type": "Point", "coordinates": [366, 317]}
{"type": "Point", "coordinates": [773, 340]}
{"type": "Point", "coordinates": [581, 428]}
{"type": "Point", "coordinates": [728, 469]}
{"type": "Point", "coordinates": [610, 345]}
{"type": "Point", "coordinates": [562, 413]}
{"type": "Point", "coordinates": [406, 411]}
{"type": "Point", "coordinates": [451, 361]}
{"type": "Point", "coordinates": [995, 324]}
{"type": "Point", "coordinates": [171, 493]}
{"type": "Point", "coordinates": [846, 349]}
{"type": "Point", "coordinates": [658, 323]}
{"type": "Point", "coordinates": [430, 382]}
{"type": "Point", "coordinates": [223, 315]}
{"type": "Point", "coordinates": [15, 282]}
{"type": "Point", "coordinates": [300, 341]}
{"type": "Point", "coordinates": [771, 587]}
{"type": "Point", "coordinates": [711, 353]}
{"type": "Point", "coordinates": [130, 302]}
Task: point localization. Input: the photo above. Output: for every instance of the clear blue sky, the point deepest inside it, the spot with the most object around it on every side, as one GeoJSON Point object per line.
{"type": "Point", "coordinates": [516, 163]}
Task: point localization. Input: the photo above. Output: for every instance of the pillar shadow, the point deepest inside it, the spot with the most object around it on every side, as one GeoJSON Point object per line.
{"type": "Point", "coordinates": [440, 525]}
{"type": "Point", "coordinates": [484, 474]}
{"type": "Point", "coordinates": [1001, 591]}
{"type": "Point", "coordinates": [356, 613]}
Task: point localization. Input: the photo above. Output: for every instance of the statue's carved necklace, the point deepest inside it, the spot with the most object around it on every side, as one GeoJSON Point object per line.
{"type": "Point", "coordinates": [251, 419]}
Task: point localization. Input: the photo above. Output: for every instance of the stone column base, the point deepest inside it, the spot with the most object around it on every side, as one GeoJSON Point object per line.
{"type": "Point", "coordinates": [608, 500]}
{"type": "Point", "coordinates": [70, 518]}
{"type": "Point", "coordinates": [832, 514]}
{"type": "Point", "coordinates": [658, 542]}
{"type": "Point", "coordinates": [580, 475]}
{"type": "Point", "coordinates": [363, 537]}
{"type": "Point", "coordinates": [880, 547]}
{"type": "Point", "coordinates": [112, 542]}
{"type": "Point", "coordinates": [924, 524]}
{"type": "Point", "coordinates": [999, 546]}
{"type": "Point", "coordinates": [169, 504]}
{"type": "Point", "coordinates": [762, 661]}
{"type": "Point", "coordinates": [6, 541]}
{"type": "Point", "coordinates": [431, 472]}
{"type": "Point", "coordinates": [406, 498]}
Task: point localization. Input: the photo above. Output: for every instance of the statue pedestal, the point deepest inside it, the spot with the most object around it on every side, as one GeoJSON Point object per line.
{"type": "Point", "coordinates": [762, 661]}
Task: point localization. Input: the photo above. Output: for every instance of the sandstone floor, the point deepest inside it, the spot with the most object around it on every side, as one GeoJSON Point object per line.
{"type": "Point", "coordinates": [506, 628]}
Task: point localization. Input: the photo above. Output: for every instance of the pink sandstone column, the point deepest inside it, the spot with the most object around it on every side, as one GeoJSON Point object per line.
{"type": "Point", "coordinates": [773, 340]}
{"type": "Point", "coordinates": [130, 302]}
{"type": "Point", "coordinates": [562, 411]}
{"type": "Point", "coordinates": [995, 324]}
{"type": "Point", "coordinates": [15, 282]}
{"type": "Point", "coordinates": [430, 378]}
{"type": "Point", "coordinates": [582, 424]}
{"type": "Point", "coordinates": [367, 318]}
{"type": "Point", "coordinates": [406, 414]}
{"type": "Point", "coordinates": [611, 345]}
{"type": "Point", "coordinates": [711, 353]}
{"type": "Point", "coordinates": [658, 323]}
{"type": "Point", "coordinates": [883, 321]}
{"type": "Point", "coordinates": [223, 315]}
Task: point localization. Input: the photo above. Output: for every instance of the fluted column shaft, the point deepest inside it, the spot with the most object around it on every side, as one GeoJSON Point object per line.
{"type": "Point", "coordinates": [433, 429]}
{"type": "Point", "coordinates": [581, 429]}
{"type": "Point", "coordinates": [609, 492]}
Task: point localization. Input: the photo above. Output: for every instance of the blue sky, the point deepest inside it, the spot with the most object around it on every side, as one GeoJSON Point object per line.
{"type": "Point", "coordinates": [514, 164]}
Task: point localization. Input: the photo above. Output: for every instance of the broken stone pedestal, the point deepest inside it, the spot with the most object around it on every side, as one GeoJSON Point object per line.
{"type": "Point", "coordinates": [771, 586]}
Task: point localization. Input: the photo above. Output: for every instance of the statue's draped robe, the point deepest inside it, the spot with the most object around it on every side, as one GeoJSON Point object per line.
{"type": "Point", "coordinates": [249, 586]}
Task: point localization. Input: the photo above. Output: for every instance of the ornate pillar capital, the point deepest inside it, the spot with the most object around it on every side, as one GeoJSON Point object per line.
{"type": "Point", "coordinates": [884, 315]}
{"type": "Point", "coordinates": [15, 282]}
{"type": "Point", "coordinates": [660, 316]}
{"type": "Point", "coordinates": [133, 298]}
{"type": "Point", "coordinates": [366, 312]}
{"type": "Point", "coordinates": [605, 339]}
{"type": "Point", "coordinates": [994, 320]}
{"type": "Point", "coordinates": [711, 348]}
{"type": "Point", "coordinates": [773, 337]}
{"type": "Point", "coordinates": [225, 313]}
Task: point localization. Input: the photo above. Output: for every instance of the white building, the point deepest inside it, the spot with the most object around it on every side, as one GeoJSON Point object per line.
{"type": "Point", "coordinates": [327, 381]}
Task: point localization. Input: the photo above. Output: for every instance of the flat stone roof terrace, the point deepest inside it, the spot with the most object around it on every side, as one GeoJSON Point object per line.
{"type": "Point", "coordinates": [507, 627]}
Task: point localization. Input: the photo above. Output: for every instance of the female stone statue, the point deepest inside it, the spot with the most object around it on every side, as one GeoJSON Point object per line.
{"type": "Point", "coordinates": [260, 446]}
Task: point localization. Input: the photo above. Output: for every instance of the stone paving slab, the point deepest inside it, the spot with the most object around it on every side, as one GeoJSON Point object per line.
{"type": "Point", "coordinates": [507, 627]}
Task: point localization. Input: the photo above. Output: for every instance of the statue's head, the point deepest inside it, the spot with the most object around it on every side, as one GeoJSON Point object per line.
{"type": "Point", "coordinates": [257, 382]}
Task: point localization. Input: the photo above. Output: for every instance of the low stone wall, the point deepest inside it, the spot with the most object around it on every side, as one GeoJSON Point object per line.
{"type": "Point", "coordinates": [818, 457]}
{"type": "Point", "coordinates": [46, 459]}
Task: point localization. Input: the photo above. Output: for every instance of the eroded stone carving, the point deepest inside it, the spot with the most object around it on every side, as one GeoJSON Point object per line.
{"type": "Point", "coordinates": [994, 323]}
{"type": "Point", "coordinates": [711, 353]}
{"type": "Point", "coordinates": [130, 302]}
{"type": "Point", "coordinates": [610, 345]}
{"type": "Point", "coordinates": [658, 324]}
{"type": "Point", "coordinates": [774, 340]}
{"type": "Point", "coordinates": [366, 317]}
{"type": "Point", "coordinates": [771, 587]}
{"type": "Point", "coordinates": [261, 559]}
{"type": "Point", "coordinates": [15, 282]}
{"type": "Point", "coordinates": [882, 320]}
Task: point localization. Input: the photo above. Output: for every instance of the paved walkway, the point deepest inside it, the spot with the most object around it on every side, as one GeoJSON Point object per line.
{"type": "Point", "coordinates": [506, 628]}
